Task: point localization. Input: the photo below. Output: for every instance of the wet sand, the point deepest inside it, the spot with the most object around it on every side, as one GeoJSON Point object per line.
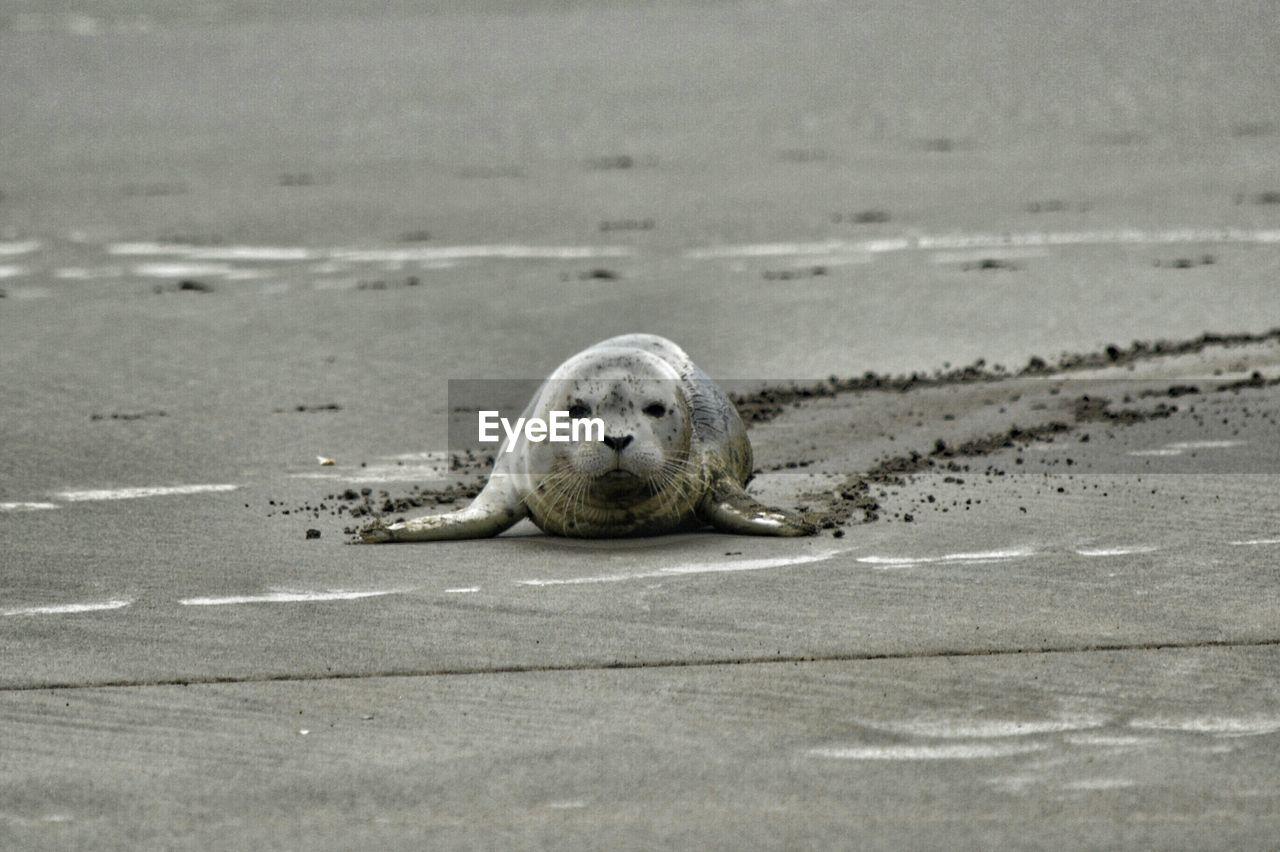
{"type": "Point", "coordinates": [999, 310]}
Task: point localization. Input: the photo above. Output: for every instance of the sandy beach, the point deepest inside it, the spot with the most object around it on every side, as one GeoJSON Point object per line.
{"type": "Point", "coordinates": [993, 285]}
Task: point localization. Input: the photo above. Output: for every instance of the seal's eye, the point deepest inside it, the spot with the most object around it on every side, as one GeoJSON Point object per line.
{"type": "Point", "coordinates": [579, 410]}
{"type": "Point", "coordinates": [655, 409]}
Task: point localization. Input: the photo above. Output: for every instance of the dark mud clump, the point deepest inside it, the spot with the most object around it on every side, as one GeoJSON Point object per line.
{"type": "Point", "coordinates": [129, 415]}
{"type": "Point", "coordinates": [310, 409]}
{"type": "Point", "coordinates": [1255, 380]}
{"type": "Point", "coordinates": [873, 216]}
{"type": "Point", "coordinates": [1186, 262]}
{"type": "Point", "coordinates": [1053, 205]}
{"type": "Point", "coordinates": [187, 285]}
{"type": "Point", "coordinates": [609, 225]}
{"type": "Point", "coordinates": [1096, 409]}
{"type": "Point", "coordinates": [794, 274]}
{"type": "Point", "coordinates": [383, 284]}
{"type": "Point", "coordinates": [988, 264]}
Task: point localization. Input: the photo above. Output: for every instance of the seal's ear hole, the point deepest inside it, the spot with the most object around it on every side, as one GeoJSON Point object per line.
{"type": "Point", "coordinates": [655, 409]}
{"type": "Point", "coordinates": [579, 409]}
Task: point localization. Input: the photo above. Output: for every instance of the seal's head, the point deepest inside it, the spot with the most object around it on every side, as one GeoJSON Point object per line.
{"type": "Point", "coordinates": [639, 467]}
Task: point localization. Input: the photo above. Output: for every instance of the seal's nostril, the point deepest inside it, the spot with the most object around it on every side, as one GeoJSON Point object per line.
{"type": "Point", "coordinates": [617, 442]}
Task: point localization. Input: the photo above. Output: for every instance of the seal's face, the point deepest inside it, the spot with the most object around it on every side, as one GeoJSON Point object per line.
{"type": "Point", "coordinates": [642, 463]}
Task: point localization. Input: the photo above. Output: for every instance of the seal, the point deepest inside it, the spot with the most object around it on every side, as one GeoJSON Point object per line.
{"type": "Point", "coordinates": [674, 457]}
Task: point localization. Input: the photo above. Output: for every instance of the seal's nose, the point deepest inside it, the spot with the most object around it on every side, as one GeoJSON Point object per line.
{"type": "Point", "coordinates": [617, 442]}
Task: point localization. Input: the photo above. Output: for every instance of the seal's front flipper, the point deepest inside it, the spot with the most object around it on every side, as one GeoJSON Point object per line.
{"type": "Point", "coordinates": [493, 511]}
{"type": "Point", "coordinates": [729, 508]}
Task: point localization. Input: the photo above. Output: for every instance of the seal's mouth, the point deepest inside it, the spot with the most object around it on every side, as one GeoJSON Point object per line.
{"type": "Point", "coordinates": [618, 484]}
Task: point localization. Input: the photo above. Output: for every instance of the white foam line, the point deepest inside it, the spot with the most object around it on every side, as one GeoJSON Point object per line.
{"type": "Point", "coordinates": [1203, 445]}
{"type": "Point", "coordinates": [479, 252]}
{"type": "Point", "coordinates": [289, 597]}
{"type": "Point", "coordinates": [986, 556]}
{"type": "Point", "coordinates": [988, 729]}
{"type": "Point", "coordinates": [774, 250]}
{"type": "Point", "coordinates": [80, 273]}
{"type": "Point", "coordinates": [1254, 541]}
{"type": "Point", "coordinates": [465, 591]}
{"type": "Point", "coordinates": [1115, 551]}
{"type": "Point", "coordinates": [1177, 448]}
{"type": "Point", "coordinates": [692, 568]}
{"type": "Point", "coordinates": [16, 248]}
{"type": "Point", "coordinates": [380, 473]}
{"type": "Point", "coordinates": [177, 270]}
{"type": "Point", "coordinates": [11, 271]}
{"type": "Point", "coordinates": [1122, 236]}
{"type": "Point", "coordinates": [1101, 784]}
{"type": "Point", "coordinates": [374, 255]}
{"type": "Point", "coordinates": [438, 456]}
{"type": "Point", "coordinates": [150, 491]}
{"type": "Point", "coordinates": [928, 242]}
{"type": "Point", "coordinates": [68, 609]}
{"type": "Point", "coordinates": [26, 507]}
{"type": "Point", "coordinates": [959, 751]}
{"type": "Point", "coordinates": [1111, 741]}
{"type": "Point", "coordinates": [791, 249]}
{"type": "Point", "coordinates": [980, 254]}
{"type": "Point", "coordinates": [1222, 726]}
{"type": "Point", "coordinates": [190, 252]}
{"type": "Point", "coordinates": [254, 253]}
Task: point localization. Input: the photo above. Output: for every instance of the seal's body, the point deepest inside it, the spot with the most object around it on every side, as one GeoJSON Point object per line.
{"type": "Point", "coordinates": [675, 456]}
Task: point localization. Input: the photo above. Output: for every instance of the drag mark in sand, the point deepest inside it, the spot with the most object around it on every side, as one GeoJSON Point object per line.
{"type": "Point", "coordinates": [151, 491]}
{"type": "Point", "coordinates": [887, 562]}
{"type": "Point", "coordinates": [1115, 551]}
{"type": "Point", "coordinates": [291, 597]}
{"type": "Point", "coordinates": [692, 568]}
{"type": "Point", "coordinates": [68, 609]}
{"type": "Point", "coordinates": [958, 751]}
{"type": "Point", "coordinates": [26, 507]}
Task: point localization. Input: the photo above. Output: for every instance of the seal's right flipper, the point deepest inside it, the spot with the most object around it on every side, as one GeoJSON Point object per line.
{"type": "Point", "coordinates": [729, 508]}
{"type": "Point", "coordinates": [494, 510]}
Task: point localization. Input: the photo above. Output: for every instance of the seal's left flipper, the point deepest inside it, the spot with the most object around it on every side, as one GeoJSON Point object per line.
{"type": "Point", "coordinates": [729, 508]}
